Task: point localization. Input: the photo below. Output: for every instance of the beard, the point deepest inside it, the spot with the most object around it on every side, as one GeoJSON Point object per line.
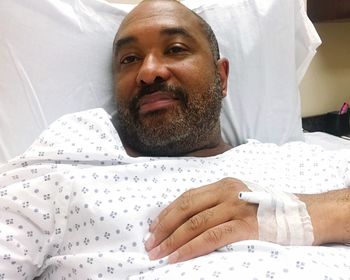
{"type": "Point", "coordinates": [176, 130]}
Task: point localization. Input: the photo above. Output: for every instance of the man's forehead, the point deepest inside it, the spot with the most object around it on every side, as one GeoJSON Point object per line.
{"type": "Point", "coordinates": [163, 31]}
{"type": "Point", "coordinates": [157, 13]}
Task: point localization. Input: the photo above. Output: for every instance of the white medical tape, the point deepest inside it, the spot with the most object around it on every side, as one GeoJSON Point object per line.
{"type": "Point", "coordinates": [282, 217]}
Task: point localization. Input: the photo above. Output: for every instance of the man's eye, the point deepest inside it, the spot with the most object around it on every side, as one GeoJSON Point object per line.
{"type": "Point", "coordinates": [129, 59]}
{"type": "Point", "coordinates": [176, 50]}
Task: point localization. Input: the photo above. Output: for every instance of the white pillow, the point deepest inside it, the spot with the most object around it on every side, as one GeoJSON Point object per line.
{"type": "Point", "coordinates": [55, 58]}
{"type": "Point", "coordinates": [270, 44]}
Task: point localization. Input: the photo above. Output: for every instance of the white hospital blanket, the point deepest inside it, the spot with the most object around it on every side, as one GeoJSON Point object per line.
{"type": "Point", "coordinates": [327, 141]}
{"type": "Point", "coordinates": [76, 206]}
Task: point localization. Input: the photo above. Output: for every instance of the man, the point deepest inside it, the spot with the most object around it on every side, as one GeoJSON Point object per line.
{"type": "Point", "coordinates": [77, 204]}
{"type": "Point", "coordinates": [164, 109]}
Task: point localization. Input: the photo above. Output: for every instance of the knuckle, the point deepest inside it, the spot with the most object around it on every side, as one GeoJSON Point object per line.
{"type": "Point", "coordinates": [230, 187]}
{"type": "Point", "coordinates": [213, 236]}
{"type": "Point", "coordinates": [231, 182]}
{"type": "Point", "coordinates": [169, 243]}
{"type": "Point", "coordinates": [186, 201]}
{"type": "Point", "coordinates": [199, 221]}
{"type": "Point", "coordinates": [229, 230]}
{"type": "Point", "coordinates": [228, 180]}
{"type": "Point", "coordinates": [162, 227]}
{"type": "Point", "coordinates": [164, 212]}
{"type": "Point", "coordinates": [195, 223]}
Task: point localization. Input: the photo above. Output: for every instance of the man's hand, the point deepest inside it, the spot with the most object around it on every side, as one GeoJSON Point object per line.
{"type": "Point", "coordinates": [202, 220]}
{"type": "Point", "coordinates": [207, 218]}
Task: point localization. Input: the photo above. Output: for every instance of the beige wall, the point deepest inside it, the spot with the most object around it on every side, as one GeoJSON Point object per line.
{"type": "Point", "coordinates": [326, 84]}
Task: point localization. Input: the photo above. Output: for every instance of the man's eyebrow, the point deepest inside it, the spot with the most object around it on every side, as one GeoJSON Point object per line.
{"type": "Point", "coordinates": [176, 31]}
{"type": "Point", "coordinates": [122, 42]}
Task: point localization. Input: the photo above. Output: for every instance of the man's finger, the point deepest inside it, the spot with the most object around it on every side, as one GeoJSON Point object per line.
{"type": "Point", "coordinates": [184, 201]}
{"type": "Point", "coordinates": [192, 228]}
{"type": "Point", "coordinates": [178, 212]}
{"type": "Point", "coordinates": [214, 194]}
{"type": "Point", "coordinates": [213, 239]}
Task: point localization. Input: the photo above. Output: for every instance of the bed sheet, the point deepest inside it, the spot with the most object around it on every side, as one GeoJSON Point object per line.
{"type": "Point", "coordinates": [76, 206]}
{"type": "Point", "coordinates": [327, 141]}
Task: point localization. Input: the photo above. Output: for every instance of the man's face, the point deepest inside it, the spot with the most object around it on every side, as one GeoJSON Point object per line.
{"type": "Point", "coordinates": [168, 90]}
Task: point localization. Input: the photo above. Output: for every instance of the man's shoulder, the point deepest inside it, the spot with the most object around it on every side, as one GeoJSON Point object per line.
{"type": "Point", "coordinates": [77, 137]}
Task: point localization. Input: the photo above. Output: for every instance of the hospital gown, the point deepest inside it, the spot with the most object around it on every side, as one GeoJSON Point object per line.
{"type": "Point", "coordinates": [76, 206]}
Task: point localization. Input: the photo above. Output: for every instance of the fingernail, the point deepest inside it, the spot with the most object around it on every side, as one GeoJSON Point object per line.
{"type": "Point", "coordinates": [173, 257]}
{"type": "Point", "coordinates": [147, 236]}
{"type": "Point", "coordinates": [153, 254]}
{"type": "Point", "coordinates": [149, 242]}
{"type": "Point", "coordinates": [152, 227]}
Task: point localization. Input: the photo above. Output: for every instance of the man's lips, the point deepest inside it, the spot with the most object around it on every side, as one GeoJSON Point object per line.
{"type": "Point", "coordinates": [156, 101]}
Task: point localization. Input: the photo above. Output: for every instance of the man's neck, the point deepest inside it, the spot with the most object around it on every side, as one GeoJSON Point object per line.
{"type": "Point", "coordinates": [208, 151]}
{"type": "Point", "coordinates": [211, 151]}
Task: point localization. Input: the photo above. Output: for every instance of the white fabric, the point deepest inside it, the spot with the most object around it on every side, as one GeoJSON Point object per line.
{"type": "Point", "coordinates": [282, 217]}
{"type": "Point", "coordinates": [270, 45]}
{"type": "Point", "coordinates": [55, 58]}
{"type": "Point", "coordinates": [327, 141]}
{"type": "Point", "coordinates": [75, 206]}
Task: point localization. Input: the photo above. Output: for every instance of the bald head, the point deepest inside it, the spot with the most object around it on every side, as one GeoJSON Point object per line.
{"type": "Point", "coordinates": [154, 8]}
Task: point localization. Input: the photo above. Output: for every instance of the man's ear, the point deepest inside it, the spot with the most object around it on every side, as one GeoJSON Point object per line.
{"type": "Point", "coordinates": [223, 70]}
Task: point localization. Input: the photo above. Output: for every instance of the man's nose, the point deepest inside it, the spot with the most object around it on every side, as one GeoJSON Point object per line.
{"type": "Point", "coordinates": [152, 68]}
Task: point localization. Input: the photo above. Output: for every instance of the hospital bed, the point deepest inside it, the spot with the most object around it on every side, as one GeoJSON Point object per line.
{"type": "Point", "coordinates": [55, 59]}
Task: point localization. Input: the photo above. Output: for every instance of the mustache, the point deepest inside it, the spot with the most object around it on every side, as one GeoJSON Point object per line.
{"type": "Point", "coordinates": [177, 92]}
